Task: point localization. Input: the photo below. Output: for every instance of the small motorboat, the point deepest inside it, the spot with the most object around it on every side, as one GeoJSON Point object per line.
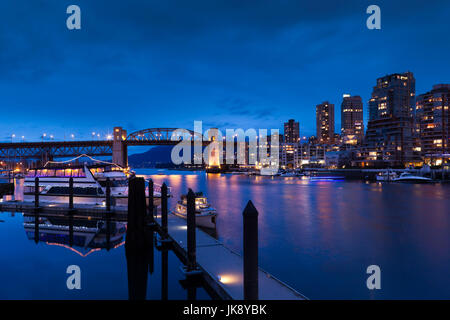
{"type": "Point", "coordinates": [409, 177]}
{"type": "Point", "coordinates": [205, 215]}
{"type": "Point", "coordinates": [288, 174]}
{"type": "Point", "coordinates": [386, 176]}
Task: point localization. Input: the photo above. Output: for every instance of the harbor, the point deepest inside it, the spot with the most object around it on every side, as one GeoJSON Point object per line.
{"type": "Point", "coordinates": [298, 220]}
{"type": "Point", "coordinates": [222, 270]}
{"type": "Point", "coordinates": [224, 159]}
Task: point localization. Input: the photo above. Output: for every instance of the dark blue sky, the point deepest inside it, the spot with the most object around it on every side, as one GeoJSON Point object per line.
{"type": "Point", "coordinates": [142, 64]}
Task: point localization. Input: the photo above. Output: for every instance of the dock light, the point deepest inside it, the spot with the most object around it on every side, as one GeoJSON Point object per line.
{"type": "Point", "coordinates": [227, 278]}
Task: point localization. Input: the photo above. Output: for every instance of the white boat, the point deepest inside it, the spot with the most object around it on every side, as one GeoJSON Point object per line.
{"type": "Point", "coordinates": [289, 174]}
{"type": "Point", "coordinates": [89, 185]}
{"type": "Point", "coordinates": [386, 176]}
{"type": "Point", "coordinates": [205, 215]}
{"type": "Point", "coordinates": [268, 171]}
{"type": "Point", "coordinates": [409, 177]}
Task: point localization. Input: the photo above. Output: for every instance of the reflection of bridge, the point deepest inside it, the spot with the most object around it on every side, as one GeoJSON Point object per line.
{"type": "Point", "coordinates": [117, 147]}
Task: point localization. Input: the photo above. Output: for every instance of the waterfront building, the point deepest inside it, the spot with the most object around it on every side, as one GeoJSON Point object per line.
{"type": "Point", "coordinates": [390, 137]}
{"type": "Point", "coordinates": [352, 126]}
{"type": "Point", "coordinates": [312, 154]}
{"type": "Point", "coordinates": [290, 155]}
{"type": "Point", "coordinates": [433, 122]}
{"type": "Point", "coordinates": [325, 122]}
{"type": "Point", "coordinates": [291, 131]}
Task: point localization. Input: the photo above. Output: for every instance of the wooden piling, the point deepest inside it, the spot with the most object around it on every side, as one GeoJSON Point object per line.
{"type": "Point", "coordinates": [136, 250]}
{"type": "Point", "coordinates": [108, 195]}
{"type": "Point", "coordinates": [250, 217]}
{"type": "Point", "coordinates": [164, 209]}
{"type": "Point", "coordinates": [36, 192]}
{"type": "Point", "coordinates": [70, 194]}
{"type": "Point", "coordinates": [151, 217]}
{"type": "Point", "coordinates": [191, 226]}
{"type": "Point", "coordinates": [36, 228]}
{"type": "Point", "coordinates": [164, 274]}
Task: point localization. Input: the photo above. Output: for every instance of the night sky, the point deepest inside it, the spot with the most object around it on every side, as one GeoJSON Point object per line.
{"type": "Point", "coordinates": [231, 64]}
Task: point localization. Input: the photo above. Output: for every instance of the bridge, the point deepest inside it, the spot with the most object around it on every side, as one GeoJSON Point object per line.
{"type": "Point", "coordinates": [117, 147]}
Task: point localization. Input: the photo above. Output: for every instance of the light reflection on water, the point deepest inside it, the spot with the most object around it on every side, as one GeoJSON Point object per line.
{"type": "Point", "coordinates": [320, 236]}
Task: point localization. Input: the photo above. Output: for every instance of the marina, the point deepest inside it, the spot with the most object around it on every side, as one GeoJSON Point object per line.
{"type": "Point", "coordinates": [221, 268]}
{"type": "Point", "coordinates": [301, 205]}
{"type": "Point", "coordinates": [233, 151]}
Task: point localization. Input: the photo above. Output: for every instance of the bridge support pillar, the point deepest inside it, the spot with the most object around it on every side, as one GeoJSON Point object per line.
{"type": "Point", "coordinates": [119, 152]}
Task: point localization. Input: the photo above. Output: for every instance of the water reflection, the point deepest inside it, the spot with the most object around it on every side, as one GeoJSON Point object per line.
{"type": "Point", "coordinates": [81, 236]}
{"type": "Point", "coordinates": [320, 236]}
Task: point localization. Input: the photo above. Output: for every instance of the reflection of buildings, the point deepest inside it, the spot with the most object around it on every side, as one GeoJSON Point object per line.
{"type": "Point", "coordinates": [325, 122]}
{"type": "Point", "coordinates": [352, 126]}
{"type": "Point", "coordinates": [433, 121]}
{"type": "Point", "coordinates": [85, 235]}
{"type": "Point", "coordinates": [390, 130]}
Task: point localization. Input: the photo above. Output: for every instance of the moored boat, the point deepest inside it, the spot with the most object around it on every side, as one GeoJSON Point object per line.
{"type": "Point", "coordinates": [89, 184]}
{"type": "Point", "coordinates": [409, 177]}
{"type": "Point", "coordinates": [205, 215]}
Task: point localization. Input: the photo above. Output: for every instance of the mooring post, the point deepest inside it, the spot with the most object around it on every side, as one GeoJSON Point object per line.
{"type": "Point", "coordinates": [164, 210]}
{"type": "Point", "coordinates": [136, 249]}
{"type": "Point", "coordinates": [108, 195]}
{"type": "Point", "coordinates": [250, 216]}
{"type": "Point", "coordinates": [191, 241]}
{"type": "Point", "coordinates": [36, 192]}
{"type": "Point", "coordinates": [70, 194]}
{"type": "Point", "coordinates": [36, 227]}
{"type": "Point", "coordinates": [151, 207]}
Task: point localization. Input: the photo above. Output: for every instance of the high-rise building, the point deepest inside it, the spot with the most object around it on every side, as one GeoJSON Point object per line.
{"type": "Point", "coordinates": [393, 96]}
{"type": "Point", "coordinates": [352, 126]}
{"type": "Point", "coordinates": [291, 131]}
{"type": "Point", "coordinates": [325, 122]}
{"type": "Point", "coordinates": [433, 121]}
{"type": "Point", "coordinates": [390, 136]}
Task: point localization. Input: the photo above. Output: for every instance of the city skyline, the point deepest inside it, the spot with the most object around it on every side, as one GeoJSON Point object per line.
{"type": "Point", "coordinates": [122, 68]}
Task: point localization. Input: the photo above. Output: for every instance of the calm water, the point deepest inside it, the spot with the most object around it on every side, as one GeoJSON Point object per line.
{"type": "Point", "coordinates": [319, 237]}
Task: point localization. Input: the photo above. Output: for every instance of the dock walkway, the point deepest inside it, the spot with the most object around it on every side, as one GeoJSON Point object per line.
{"type": "Point", "coordinates": [223, 267]}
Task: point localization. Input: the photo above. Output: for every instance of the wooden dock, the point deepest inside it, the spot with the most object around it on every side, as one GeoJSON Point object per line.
{"type": "Point", "coordinates": [81, 210]}
{"type": "Point", "coordinates": [223, 268]}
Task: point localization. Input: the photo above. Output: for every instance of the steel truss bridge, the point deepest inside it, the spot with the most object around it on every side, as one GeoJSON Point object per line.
{"type": "Point", "coordinates": [48, 150]}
